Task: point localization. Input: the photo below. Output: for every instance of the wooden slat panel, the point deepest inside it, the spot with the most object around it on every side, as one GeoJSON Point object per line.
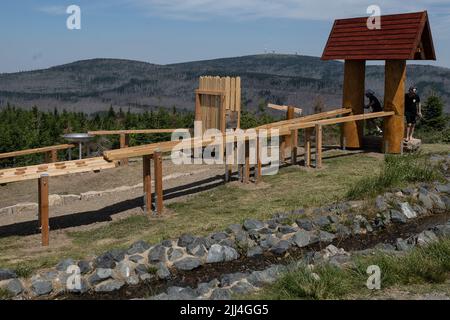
{"type": "Point", "coordinates": [238, 94]}
{"type": "Point", "coordinates": [233, 94]}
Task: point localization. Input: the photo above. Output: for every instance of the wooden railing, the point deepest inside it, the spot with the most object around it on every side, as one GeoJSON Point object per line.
{"type": "Point", "coordinates": [51, 152]}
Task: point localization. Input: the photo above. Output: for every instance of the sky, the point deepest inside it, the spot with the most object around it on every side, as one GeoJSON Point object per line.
{"type": "Point", "coordinates": [34, 34]}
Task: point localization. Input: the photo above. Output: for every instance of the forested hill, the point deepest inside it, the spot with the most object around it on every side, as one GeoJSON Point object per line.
{"type": "Point", "coordinates": [93, 85]}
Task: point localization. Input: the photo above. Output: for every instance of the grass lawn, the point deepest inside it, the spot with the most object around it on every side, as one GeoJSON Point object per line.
{"type": "Point", "coordinates": [212, 210]}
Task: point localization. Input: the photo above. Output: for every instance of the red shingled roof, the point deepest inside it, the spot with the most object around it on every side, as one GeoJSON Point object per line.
{"type": "Point", "coordinates": [401, 37]}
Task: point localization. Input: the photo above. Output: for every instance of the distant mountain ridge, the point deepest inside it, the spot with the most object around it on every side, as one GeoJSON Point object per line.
{"type": "Point", "coordinates": [94, 85]}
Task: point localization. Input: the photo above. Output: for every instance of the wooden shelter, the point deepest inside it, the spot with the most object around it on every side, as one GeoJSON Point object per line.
{"type": "Point", "coordinates": [218, 102]}
{"type": "Point", "coordinates": [401, 37]}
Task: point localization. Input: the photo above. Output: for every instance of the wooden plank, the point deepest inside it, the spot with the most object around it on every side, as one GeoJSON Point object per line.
{"type": "Point", "coordinates": [284, 108]}
{"type": "Point", "coordinates": [137, 131]}
{"type": "Point", "coordinates": [294, 147]}
{"type": "Point", "coordinates": [43, 209]}
{"type": "Point", "coordinates": [158, 182]}
{"type": "Point", "coordinates": [318, 146]}
{"type": "Point", "coordinates": [238, 95]}
{"type": "Point", "coordinates": [34, 151]}
{"type": "Point", "coordinates": [233, 94]}
{"type": "Point", "coordinates": [247, 162]}
{"type": "Point", "coordinates": [147, 180]}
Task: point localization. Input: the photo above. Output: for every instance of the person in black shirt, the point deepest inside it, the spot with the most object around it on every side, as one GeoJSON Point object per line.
{"type": "Point", "coordinates": [413, 109]}
{"type": "Point", "coordinates": [375, 105]}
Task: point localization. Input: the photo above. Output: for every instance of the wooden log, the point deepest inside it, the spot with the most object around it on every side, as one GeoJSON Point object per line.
{"type": "Point", "coordinates": [43, 209]}
{"type": "Point", "coordinates": [307, 133]}
{"type": "Point", "coordinates": [147, 180]}
{"type": "Point", "coordinates": [353, 98]}
{"type": "Point", "coordinates": [394, 100]}
{"type": "Point", "coordinates": [157, 156]}
{"type": "Point", "coordinates": [318, 146]}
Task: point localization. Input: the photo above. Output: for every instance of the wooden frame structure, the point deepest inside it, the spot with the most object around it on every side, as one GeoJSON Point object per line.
{"type": "Point", "coordinates": [51, 152]}
{"type": "Point", "coordinates": [124, 139]}
{"type": "Point", "coordinates": [218, 102]}
{"type": "Point", "coordinates": [401, 37]}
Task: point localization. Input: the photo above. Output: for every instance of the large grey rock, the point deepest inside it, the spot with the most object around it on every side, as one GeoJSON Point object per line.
{"type": "Point", "coordinates": [426, 237]}
{"type": "Point", "coordinates": [242, 287]}
{"type": "Point", "coordinates": [398, 217]}
{"type": "Point", "coordinates": [136, 258]}
{"type": "Point", "coordinates": [219, 253]}
{"type": "Point", "coordinates": [125, 269]}
{"type": "Point", "coordinates": [407, 210]}
{"type": "Point", "coordinates": [105, 261]}
{"type": "Point", "coordinates": [437, 201]}
{"type": "Point", "coordinates": [138, 247]}
{"type": "Point", "coordinates": [6, 274]}
{"type": "Point", "coordinates": [268, 276]}
{"type": "Point", "coordinates": [219, 236]}
{"type": "Point", "coordinates": [254, 251]}
{"type": "Point", "coordinates": [85, 266]}
{"type": "Point", "coordinates": [281, 247]}
{"type": "Point", "coordinates": [381, 203]}
{"type": "Point", "coordinates": [304, 238]}
{"type": "Point", "coordinates": [268, 242]}
{"type": "Point", "coordinates": [64, 264]}
{"type": "Point", "coordinates": [252, 224]}
{"type": "Point", "coordinates": [109, 286]}
{"type": "Point", "coordinates": [322, 221]}
{"type": "Point", "coordinates": [287, 229]}
{"type": "Point", "coordinates": [188, 263]}
{"type": "Point", "coordinates": [205, 287]}
{"type": "Point", "coordinates": [157, 254]}
{"type": "Point", "coordinates": [425, 199]}
{"type": "Point", "coordinates": [41, 287]}
{"type": "Point", "coordinates": [443, 188]}
{"type": "Point", "coordinates": [402, 245]}
{"type": "Point", "coordinates": [343, 230]}
{"type": "Point", "coordinates": [100, 275]}
{"type": "Point", "coordinates": [117, 254]}
{"type": "Point", "coordinates": [305, 224]}
{"type": "Point", "coordinates": [326, 236]}
{"type": "Point", "coordinates": [442, 230]}
{"type": "Point", "coordinates": [13, 286]}
{"type": "Point", "coordinates": [185, 240]}
{"type": "Point", "coordinates": [234, 228]}
{"type": "Point", "coordinates": [163, 272]}
{"type": "Point", "coordinates": [175, 254]}
{"type": "Point", "coordinates": [230, 278]}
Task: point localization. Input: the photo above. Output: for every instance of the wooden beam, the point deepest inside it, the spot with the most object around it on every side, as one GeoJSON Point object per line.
{"type": "Point", "coordinates": [137, 131]}
{"type": "Point", "coordinates": [294, 147]}
{"type": "Point", "coordinates": [55, 169]}
{"type": "Point", "coordinates": [246, 178]}
{"type": "Point", "coordinates": [157, 156]}
{"type": "Point", "coordinates": [147, 180]}
{"type": "Point", "coordinates": [43, 209]}
{"type": "Point", "coordinates": [353, 98]}
{"type": "Point", "coordinates": [318, 146]}
{"type": "Point", "coordinates": [394, 100]}
{"type": "Point", "coordinates": [284, 108]}
{"type": "Point", "coordinates": [34, 151]}
{"type": "Point", "coordinates": [54, 155]}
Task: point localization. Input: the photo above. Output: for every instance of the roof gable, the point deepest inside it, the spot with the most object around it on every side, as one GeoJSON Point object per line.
{"type": "Point", "coordinates": [401, 37]}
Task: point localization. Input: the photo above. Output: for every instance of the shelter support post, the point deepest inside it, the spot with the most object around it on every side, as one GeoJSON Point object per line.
{"type": "Point", "coordinates": [147, 177]}
{"type": "Point", "coordinates": [353, 98]}
{"type": "Point", "coordinates": [394, 100]}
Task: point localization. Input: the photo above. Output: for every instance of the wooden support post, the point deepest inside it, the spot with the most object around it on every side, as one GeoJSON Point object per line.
{"type": "Point", "coordinates": [307, 147]}
{"type": "Point", "coordinates": [293, 147]}
{"type": "Point", "coordinates": [318, 146]}
{"type": "Point", "coordinates": [258, 169]}
{"type": "Point", "coordinates": [394, 100]}
{"type": "Point", "coordinates": [158, 182]}
{"type": "Point", "coordinates": [123, 144]}
{"type": "Point", "coordinates": [247, 162]}
{"type": "Point", "coordinates": [54, 155]}
{"type": "Point", "coordinates": [147, 179]}
{"type": "Point", "coordinates": [353, 98]}
{"type": "Point", "coordinates": [282, 150]}
{"type": "Point", "coordinates": [43, 208]}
